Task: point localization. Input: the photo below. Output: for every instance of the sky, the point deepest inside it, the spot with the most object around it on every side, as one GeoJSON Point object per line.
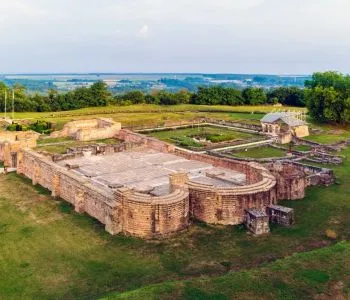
{"type": "Point", "coordinates": [199, 36]}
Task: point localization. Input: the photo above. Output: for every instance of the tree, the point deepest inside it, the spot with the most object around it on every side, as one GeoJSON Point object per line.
{"type": "Point", "coordinates": [292, 96]}
{"type": "Point", "coordinates": [135, 97]}
{"type": "Point", "coordinates": [327, 96]}
{"type": "Point", "coordinates": [217, 95]}
{"type": "Point", "coordinates": [254, 96]}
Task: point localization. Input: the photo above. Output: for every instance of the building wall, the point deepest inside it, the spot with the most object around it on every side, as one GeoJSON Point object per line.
{"type": "Point", "coordinates": [227, 206]}
{"type": "Point", "coordinates": [301, 131]}
{"type": "Point", "coordinates": [88, 130]}
{"type": "Point", "coordinates": [11, 142]}
{"type": "Point", "coordinates": [123, 211]}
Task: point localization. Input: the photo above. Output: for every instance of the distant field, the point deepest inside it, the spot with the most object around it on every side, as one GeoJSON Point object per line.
{"type": "Point", "coordinates": [151, 115]}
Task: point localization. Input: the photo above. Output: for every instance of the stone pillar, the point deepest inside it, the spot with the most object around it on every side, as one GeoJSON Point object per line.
{"type": "Point", "coordinates": [79, 201]}
{"type": "Point", "coordinates": [122, 194]}
{"type": "Point", "coordinates": [177, 181]}
{"type": "Point", "coordinates": [20, 157]}
{"type": "Point", "coordinates": [7, 155]}
{"type": "Point", "coordinates": [36, 173]}
{"type": "Point", "coordinates": [113, 220]}
{"type": "Point", "coordinates": [55, 186]}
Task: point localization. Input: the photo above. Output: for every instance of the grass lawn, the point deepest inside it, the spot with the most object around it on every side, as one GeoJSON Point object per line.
{"type": "Point", "coordinates": [328, 138]}
{"type": "Point", "coordinates": [60, 145]}
{"type": "Point", "coordinates": [260, 152]}
{"type": "Point", "coordinates": [151, 108]}
{"type": "Point", "coordinates": [301, 148]}
{"type": "Point", "coordinates": [184, 137]}
{"type": "Point", "coordinates": [153, 115]}
{"type": "Point", "coordinates": [47, 251]}
{"type": "Point", "coordinates": [323, 273]}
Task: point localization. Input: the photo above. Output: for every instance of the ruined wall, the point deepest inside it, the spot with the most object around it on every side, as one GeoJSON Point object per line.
{"type": "Point", "coordinates": [123, 211]}
{"type": "Point", "coordinates": [88, 130]}
{"type": "Point", "coordinates": [149, 142]}
{"type": "Point", "coordinates": [301, 131]}
{"type": "Point", "coordinates": [145, 216]}
{"type": "Point", "coordinates": [227, 206]}
{"type": "Point", "coordinates": [11, 142]}
{"type": "Point", "coordinates": [293, 178]}
{"type": "Point", "coordinates": [253, 171]}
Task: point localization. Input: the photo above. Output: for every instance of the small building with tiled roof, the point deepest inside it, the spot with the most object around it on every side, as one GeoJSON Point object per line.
{"type": "Point", "coordinates": [284, 125]}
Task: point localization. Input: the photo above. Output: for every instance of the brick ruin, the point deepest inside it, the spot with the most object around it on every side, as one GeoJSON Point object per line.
{"type": "Point", "coordinates": [89, 130]}
{"type": "Point", "coordinates": [12, 141]}
{"type": "Point", "coordinates": [147, 188]}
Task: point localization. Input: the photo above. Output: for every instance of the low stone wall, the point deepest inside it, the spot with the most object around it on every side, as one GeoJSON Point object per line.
{"type": "Point", "coordinates": [149, 142]}
{"type": "Point", "coordinates": [293, 178]}
{"type": "Point", "coordinates": [88, 130]}
{"type": "Point", "coordinates": [11, 142]}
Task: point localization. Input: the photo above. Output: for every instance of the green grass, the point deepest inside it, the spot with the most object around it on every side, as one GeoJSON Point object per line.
{"type": "Point", "coordinates": [48, 140]}
{"type": "Point", "coordinates": [321, 273]}
{"type": "Point", "coordinates": [153, 115]}
{"type": "Point", "coordinates": [150, 108]}
{"type": "Point", "coordinates": [184, 137]}
{"type": "Point", "coordinates": [301, 148]}
{"type": "Point", "coordinates": [328, 138]}
{"type": "Point", "coordinates": [60, 145]}
{"type": "Point", "coordinates": [260, 152]}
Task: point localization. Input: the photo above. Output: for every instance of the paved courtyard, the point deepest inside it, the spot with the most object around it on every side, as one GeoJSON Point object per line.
{"type": "Point", "coordinates": [149, 170]}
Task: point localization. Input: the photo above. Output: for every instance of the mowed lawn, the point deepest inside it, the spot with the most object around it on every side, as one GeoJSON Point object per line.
{"type": "Point", "coordinates": [260, 152]}
{"type": "Point", "coordinates": [47, 251]}
{"type": "Point", "coordinates": [154, 115]}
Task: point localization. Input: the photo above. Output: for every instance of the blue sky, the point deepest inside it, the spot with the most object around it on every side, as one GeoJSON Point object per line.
{"type": "Point", "coordinates": [221, 36]}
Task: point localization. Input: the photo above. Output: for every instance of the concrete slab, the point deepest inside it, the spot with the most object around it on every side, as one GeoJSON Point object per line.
{"type": "Point", "coordinates": [148, 171]}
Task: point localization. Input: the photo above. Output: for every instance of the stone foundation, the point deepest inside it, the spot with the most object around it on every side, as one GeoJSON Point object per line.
{"type": "Point", "coordinates": [89, 130]}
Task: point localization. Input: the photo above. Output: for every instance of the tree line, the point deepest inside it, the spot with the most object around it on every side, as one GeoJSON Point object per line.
{"type": "Point", "coordinates": [327, 96]}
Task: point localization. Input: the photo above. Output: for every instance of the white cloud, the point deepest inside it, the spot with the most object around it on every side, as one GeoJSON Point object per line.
{"type": "Point", "coordinates": [143, 32]}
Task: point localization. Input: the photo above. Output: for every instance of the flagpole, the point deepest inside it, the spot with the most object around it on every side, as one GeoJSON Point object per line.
{"type": "Point", "coordinates": [13, 104]}
{"type": "Point", "coordinates": [5, 103]}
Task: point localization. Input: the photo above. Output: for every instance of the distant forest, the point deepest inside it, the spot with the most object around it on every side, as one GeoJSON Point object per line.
{"type": "Point", "coordinates": [327, 96]}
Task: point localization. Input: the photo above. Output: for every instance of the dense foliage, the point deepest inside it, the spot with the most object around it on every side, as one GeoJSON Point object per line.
{"type": "Point", "coordinates": [95, 95]}
{"type": "Point", "coordinates": [328, 97]}
{"type": "Point", "coordinates": [39, 126]}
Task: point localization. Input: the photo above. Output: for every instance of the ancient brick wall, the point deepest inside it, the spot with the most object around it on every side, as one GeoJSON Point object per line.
{"type": "Point", "coordinates": [149, 216]}
{"type": "Point", "coordinates": [227, 206]}
{"type": "Point", "coordinates": [125, 211]}
{"type": "Point", "coordinates": [88, 130]}
{"type": "Point", "coordinates": [149, 142]}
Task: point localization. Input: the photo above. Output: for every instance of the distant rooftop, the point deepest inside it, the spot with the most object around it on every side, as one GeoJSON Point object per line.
{"type": "Point", "coordinates": [286, 117]}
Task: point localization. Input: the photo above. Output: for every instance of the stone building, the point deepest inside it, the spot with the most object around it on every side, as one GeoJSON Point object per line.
{"type": "Point", "coordinates": [257, 221]}
{"type": "Point", "coordinates": [284, 126]}
{"type": "Point", "coordinates": [280, 215]}
{"type": "Point", "coordinates": [11, 142]}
